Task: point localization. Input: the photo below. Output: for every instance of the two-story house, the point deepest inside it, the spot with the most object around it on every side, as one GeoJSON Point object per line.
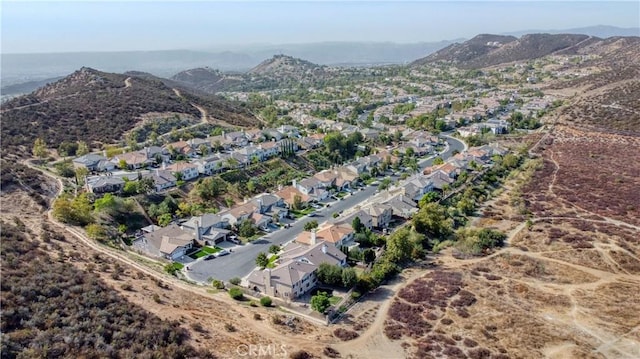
{"type": "Point", "coordinates": [184, 170]}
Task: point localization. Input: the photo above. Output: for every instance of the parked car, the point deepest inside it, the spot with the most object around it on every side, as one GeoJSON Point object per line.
{"type": "Point", "coordinates": [223, 252]}
{"type": "Point", "coordinates": [209, 257]}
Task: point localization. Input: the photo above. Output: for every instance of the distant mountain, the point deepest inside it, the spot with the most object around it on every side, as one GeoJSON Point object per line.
{"type": "Point", "coordinates": [287, 66]}
{"type": "Point", "coordinates": [26, 87]}
{"type": "Point", "coordinates": [99, 107]}
{"type": "Point", "coordinates": [601, 31]}
{"type": "Point", "coordinates": [488, 50]}
{"type": "Point", "coordinates": [350, 53]}
{"type": "Point", "coordinates": [206, 79]}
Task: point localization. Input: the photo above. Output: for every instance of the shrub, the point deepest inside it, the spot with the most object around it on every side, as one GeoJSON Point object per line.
{"type": "Point", "coordinates": [300, 354]}
{"type": "Point", "coordinates": [126, 286]}
{"type": "Point", "coordinates": [229, 327]}
{"type": "Point", "coordinates": [257, 316]}
{"type": "Point", "coordinates": [330, 352]}
{"type": "Point", "coordinates": [235, 281]}
{"type": "Point", "coordinates": [218, 284]}
{"type": "Point", "coordinates": [156, 298]}
{"type": "Point", "coordinates": [355, 294]}
{"type": "Point", "coordinates": [345, 334]}
{"type": "Point", "coordinates": [236, 293]}
{"type": "Point", "coordinates": [265, 301]}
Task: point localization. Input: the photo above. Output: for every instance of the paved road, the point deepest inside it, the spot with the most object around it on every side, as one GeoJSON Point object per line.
{"type": "Point", "coordinates": [242, 260]}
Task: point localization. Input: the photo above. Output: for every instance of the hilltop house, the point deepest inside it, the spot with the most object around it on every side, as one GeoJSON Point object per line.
{"type": "Point", "coordinates": [171, 242]}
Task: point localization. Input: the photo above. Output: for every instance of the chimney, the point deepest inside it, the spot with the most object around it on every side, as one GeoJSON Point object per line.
{"type": "Point", "coordinates": [198, 233]}
{"type": "Point", "coordinates": [267, 281]}
{"type": "Point", "coordinates": [314, 239]}
{"type": "Point", "coordinates": [294, 183]}
{"type": "Point", "coordinates": [324, 248]}
{"type": "Point", "coordinates": [260, 205]}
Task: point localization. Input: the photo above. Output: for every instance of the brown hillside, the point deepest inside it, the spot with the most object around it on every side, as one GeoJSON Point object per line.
{"type": "Point", "coordinates": [100, 107]}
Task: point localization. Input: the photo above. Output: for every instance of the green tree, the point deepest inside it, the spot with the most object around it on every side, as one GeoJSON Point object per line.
{"type": "Point", "coordinates": [311, 225]}
{"type": "Point", "coordinates": [83, 148]}
{"type": "Point", "coordinates": [97, 232]}
{"type": "Point", "coordinates": [122, 164]}
{"type": "Point", "coordinates": [357, 225]}
{"type": "Point", "coordinates": [246, 228]}
{"type": "Point", "coordinates": [320, 302]}
{"type": "Point", "coordinates": [164, 219]}
{"type": "Point", "coordinates": [81, 173]}
{"type": "Point", "coordinates": [107, 203]}
{"type": "Point", "coordinates": [329, 274]}
{"type": "Point", "coordinates": [40, 148]}
{"type": "Point", "coordinates": [251, 186]}
{"type": "Point", "coordinates": [369, 255]}
{"type": "Point", "coordinates": [297, 202]}
{"type": "Point", "coordinates": [438, 161]}
{"type": "Point", "coordinates": [262, 260]}
{"type": "Point", "coordinates": [398, 246]}
{"type": "Point", "coordinates": [433, 219]}
{"type": "Point", "coordinates": [349, 277]}
{"type": "Point", "coordinates": [274, 249]}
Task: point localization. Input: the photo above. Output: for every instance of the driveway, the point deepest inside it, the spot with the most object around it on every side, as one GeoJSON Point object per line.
{"type": "Point", "coordinates": [242, 260]}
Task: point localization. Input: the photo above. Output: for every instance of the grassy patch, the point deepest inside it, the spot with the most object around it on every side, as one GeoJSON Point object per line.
{"type": "Point", "coordinates": [177, 265]}
{"type": "Point", "coordinates": [302, 212]}
{"type": "Point", "coordinates": [272, 261]}
{"type": "Point", "coordinates": [205, 251]}
{"type": "Point", "coordinates": [334, 299]}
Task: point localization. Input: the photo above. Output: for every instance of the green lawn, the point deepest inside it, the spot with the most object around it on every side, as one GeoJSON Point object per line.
{"type": "Point", "coordinates": [205, 251]}
{"type": "Point", "coordinates": [272, 261]}
{"type": "Point", "coordinates": [334, 299]}
{"type": "Point", "coordinates": [341, 194]}
{"type": "Point", "coordinates": [177, 265]}
{"type": "Point", "coordinates": [303, 212]}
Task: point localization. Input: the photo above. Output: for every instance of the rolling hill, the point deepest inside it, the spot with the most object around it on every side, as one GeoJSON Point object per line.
{"type": "Point", "coordinates": [99, 107]}
{"type": "Point", "coordinates": [488, 50]}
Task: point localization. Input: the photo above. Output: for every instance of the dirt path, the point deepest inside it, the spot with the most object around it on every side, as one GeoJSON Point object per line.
{"type": "Point", "coordinates": [374, 343]}
{"type": "Point", "coordinates": [127, 82]}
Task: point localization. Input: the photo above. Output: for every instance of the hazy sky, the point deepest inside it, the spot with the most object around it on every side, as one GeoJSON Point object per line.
{"type": "Point", "coordinates": [56, 26]}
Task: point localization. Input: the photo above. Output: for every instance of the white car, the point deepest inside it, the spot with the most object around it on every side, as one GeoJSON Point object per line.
{"type": "Point", "coordinates": [223, 252]}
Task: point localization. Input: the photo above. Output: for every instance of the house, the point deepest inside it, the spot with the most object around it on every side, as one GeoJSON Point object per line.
{"type": "Point", "coordinates": [448, 168]}
{"type": "Point", "coordinates": [201, 146]}
{"type": "Point", "coordinates": [171, 242]}
{"type": "Point", "coordinates": [133, 160]}
{"type": "Point", "coordinates": [266, 202]}
{"type": "Point", "coordinates": [210, 164]}
{"type": "Point", "coordinates": [326, 178]}
{"type": "Point", "coordinates": [162, 179]}
{"type": "Point", "coordinates": [289, 280]}
{"type": "Point", "coordinates": [253, 153]}
{"type": "Point", "coordinates": [208, 229]}
{"type": "Point", "coordinates": [239, 213]}
{"type": "Point", "coordinates": [237, 139]}
{"type": "Point", "coordinates": [402, 206]}
{"type": "Point", "coordinates": [93, 163]}
{"type": "Point", "coordinates": [289, 131]}
{"type": "Point", "coordinates": [417, 186]}
{"type": "Point", "coordinates": [184, 170]}
{"type": "Point", "coordinates": [380, 215]}
{"type": "Point", "coordinates": [365, 219]}
{"type": "Point", "coordinates": [497, 126]}
{"type": "Point", "coordinates": [271, 134]}
{"type": "Point", "coordinates": [316, 253]}
{"type": "Point", "coordinates": [254, 135]}
{"type": "Point", "coordinates": [289, 193]}
{"type": "Point", "coordinates": [336, 234]}
{"type": "Point", "coordinates": [370, 134]}
{"type": "Point", "coordinates": [271, 149]}
{"type": "Point", "coordinates": [181, 148]}
{"type": "Point", "coordinates": [220, 142]}
{"type": "Point", "coordinates": [440, 180]}
{"type": "Point", "coordinates": [104, 184]}
{"type": "Point", "coordinates": [356, 167]}
{"type": "Point", "coordinates": [309, 143]}
{"type": "Point", "coordinates": [345, 177]}
{"type": "Point", "coordinates": [295, 273]}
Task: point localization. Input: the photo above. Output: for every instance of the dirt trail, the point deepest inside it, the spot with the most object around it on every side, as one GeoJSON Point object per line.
{"type": "Point", "coordinates": [127, 82]}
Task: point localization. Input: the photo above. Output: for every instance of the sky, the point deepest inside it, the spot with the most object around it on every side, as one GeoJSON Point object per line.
{"type": "Point", "coordinates": [63, 26]}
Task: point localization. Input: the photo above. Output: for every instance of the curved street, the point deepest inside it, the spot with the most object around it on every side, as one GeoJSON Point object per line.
{"type": "Point", "coordinates": [242, 260]}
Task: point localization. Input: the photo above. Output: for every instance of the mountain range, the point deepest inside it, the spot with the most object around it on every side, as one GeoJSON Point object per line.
{"type": "Point", "coordinates": [488, 50]}
{"type": "Point", "coordinates": [20, 69]}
